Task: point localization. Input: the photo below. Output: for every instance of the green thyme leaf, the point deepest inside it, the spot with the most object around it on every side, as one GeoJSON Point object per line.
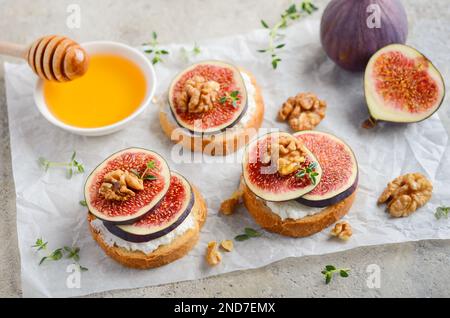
{"type": "Point", "coordinates": [82, 268]}
{"type": "Point", "coordinates": [329, 271]}
{"type": "Point", "coordinates": [42, 260]}
{"type": "Point", "coordinates": [264, 24]}
{"type": "Point", "coordinates": [248, 233]}
{"type": "Point", "coordinates": [442, 212]}
{"type": "Point", "coordinates": [196, 50]}
{"type": "Point", "coordinates": [328, 277]}
{"type": "Point", "coordinates": [274, 64]}
{"type": "Point", "coordinates": [44, 163]}
{"type": "Point", "coordinates": [343, 273]}
{"type": "Point", "coordinates": [242, 237]}
{"type": "Point", "coordinates": [233, 97]}
{"type": "Point", "coordinates": [40, 244]}
{"type": "Point", "coordinates": [234, 94]}
{"type": "Point", "coordinates": [151, 164]}
{"type": "Point", "coordinates": [149, 177]}
{"type": "Point", "coordinates": [291, 9]}
{"type": "Point", "coordinates": [301, 174]}
{"type": "Point", "coordinates": [83, 203]}
{"type": "Point", "coordinates": [252, 232]}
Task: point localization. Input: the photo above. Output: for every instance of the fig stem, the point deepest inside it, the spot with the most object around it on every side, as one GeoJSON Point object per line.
{"type": "Point", "coordinates": [369, 123]}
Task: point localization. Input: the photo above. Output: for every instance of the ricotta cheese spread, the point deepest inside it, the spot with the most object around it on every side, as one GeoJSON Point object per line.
{"type": "Point", "coordinates": [292, 209]}
{"type": "Point", "coordinates": [146, 247]}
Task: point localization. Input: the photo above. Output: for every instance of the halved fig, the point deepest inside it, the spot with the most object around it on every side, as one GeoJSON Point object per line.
{"type": "Point", "coordinates": [339, 169]}
{"type": "Point", "coordinates": [225, 104]}
{"type": "Point", "coordinates": [401, 85]}
{"type": "Point", "coordinates": [264, 179]}
{"type": "Point", "coordinates": [132, 160]}
{"type": "Point", "coordinates": [171, 212]}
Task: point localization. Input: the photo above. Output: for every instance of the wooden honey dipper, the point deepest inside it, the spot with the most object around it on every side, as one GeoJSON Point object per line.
{"type": "Point", "coordinates": [52, 57]}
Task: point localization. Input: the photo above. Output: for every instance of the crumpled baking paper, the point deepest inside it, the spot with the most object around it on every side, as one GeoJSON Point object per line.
{"type": "Point", "coordinates": [48, 203]}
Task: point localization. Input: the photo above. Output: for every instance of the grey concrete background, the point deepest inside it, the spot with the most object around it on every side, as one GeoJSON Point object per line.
{"type": "Point", "coordinates": [417, 269]}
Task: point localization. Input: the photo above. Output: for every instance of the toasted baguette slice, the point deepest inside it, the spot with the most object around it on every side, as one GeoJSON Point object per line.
{"type": "Point", "coordinates": [220, 144]}
{"type": "Point", "coordinates": [164, 254]}
{"type": "Point", "coordinates": [306, 226]}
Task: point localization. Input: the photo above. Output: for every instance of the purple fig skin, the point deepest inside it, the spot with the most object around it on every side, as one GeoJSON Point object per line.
{"type": "Point", "coordinates": [330, 201]}
{"type": "Point", "coordinates": [349, 41]}
{"type": "Point", "coordinates": [134, 238]}
{"type": "Point", "coordinates": [132, 219]}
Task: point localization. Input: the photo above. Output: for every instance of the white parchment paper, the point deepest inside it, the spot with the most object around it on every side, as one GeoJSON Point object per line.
{"type": "Point", "coordinates": [47, 203]}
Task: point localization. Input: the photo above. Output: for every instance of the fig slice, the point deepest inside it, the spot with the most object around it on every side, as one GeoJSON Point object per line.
{"type": "Point", "coordinates": [266, 182]}
{"type": "Point", "coordinates": [226, 111]}
{"type": "Point", "coordinates": [169, 214]}
{"type": "Point", "coordinates": [339, 169]}
{"type": "Point", "coordinates": [129, 211]}
{"type": "Point", "coordinates": [401, 85]}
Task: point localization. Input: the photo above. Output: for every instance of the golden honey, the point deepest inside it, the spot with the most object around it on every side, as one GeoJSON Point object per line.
{"type": "Point", "coordinates": [111, 90]}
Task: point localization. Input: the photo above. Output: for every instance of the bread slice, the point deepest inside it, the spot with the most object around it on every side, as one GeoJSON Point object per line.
{"type": "Point", "coordinates": [164, 254]}
{"type": "Point", "coordinates": [220, 144]}
{"type": "Point", "coordinates": [306, 226]}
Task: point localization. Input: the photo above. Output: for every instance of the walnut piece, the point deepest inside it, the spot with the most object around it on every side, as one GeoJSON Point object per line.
{"type": "Point", "coordinates": [342, 230]}
{"type": "Point", "coordinates": [227, 245]}
{"type": "Point", "coordinates": [198, 95]}
{"type": "Point", "coordinates": [213, 257]}
{"type": "Point", "coordinates": [303, 111]}
{"type": "Point", "coordinates": [288, 152]}
{"type": "Point", "coordinates": [228, 206]}
{"type": "Point", "coordinates": [405, 194]}
{"type": "Point", "coordinates": [118, 185]}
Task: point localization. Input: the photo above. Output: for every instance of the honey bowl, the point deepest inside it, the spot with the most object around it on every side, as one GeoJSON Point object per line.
{"type": "Point", "coordinates": [117, 88]}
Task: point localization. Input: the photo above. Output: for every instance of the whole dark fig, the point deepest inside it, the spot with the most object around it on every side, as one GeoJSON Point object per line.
{"type": "Point", "coordinates": [351, 31]}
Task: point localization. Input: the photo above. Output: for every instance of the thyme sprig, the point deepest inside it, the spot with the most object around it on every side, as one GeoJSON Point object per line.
{"type": "Point", "coordinates": [144, 175]}
{"type": "Point", "coordinates": [248, 233]}
{"type": "Point", "coordinates": [233, 97]}
{"type": "Point", "coordinates": [187, 54]}
{"type": "Point", "coordinates": [73, 166]}
{"type": "Point", "coordinates": [40, 244]}
{"type": "Point", "coordinates": [310, 172]}
{"type": "Point", "coordinates": [442, 212]}
{"type": "Point", "coordinates": [294, 12]}
{"type": "Point", "coordinates": [57, 254]}
{"type": "Point", "coordinates": [154, 49]}
{"type": "Point", "coordinates": [330, 270]}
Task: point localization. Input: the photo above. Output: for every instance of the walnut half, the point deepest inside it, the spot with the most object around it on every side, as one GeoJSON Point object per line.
{"type": "Point", "coordinates": [198, 95]}
{"type": "Point", "coordinates": [303, 111]}
{"type": "Point", "coordinates": [405, 194]}
{"type": "Point", "coordinates": [118, 185]}
{"type": "Point", "coordinates": [288, 152]}
{"type": "Point", "coordinates": [213, 256]}
{"type": "Point", "coordinates": [342, 230]}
